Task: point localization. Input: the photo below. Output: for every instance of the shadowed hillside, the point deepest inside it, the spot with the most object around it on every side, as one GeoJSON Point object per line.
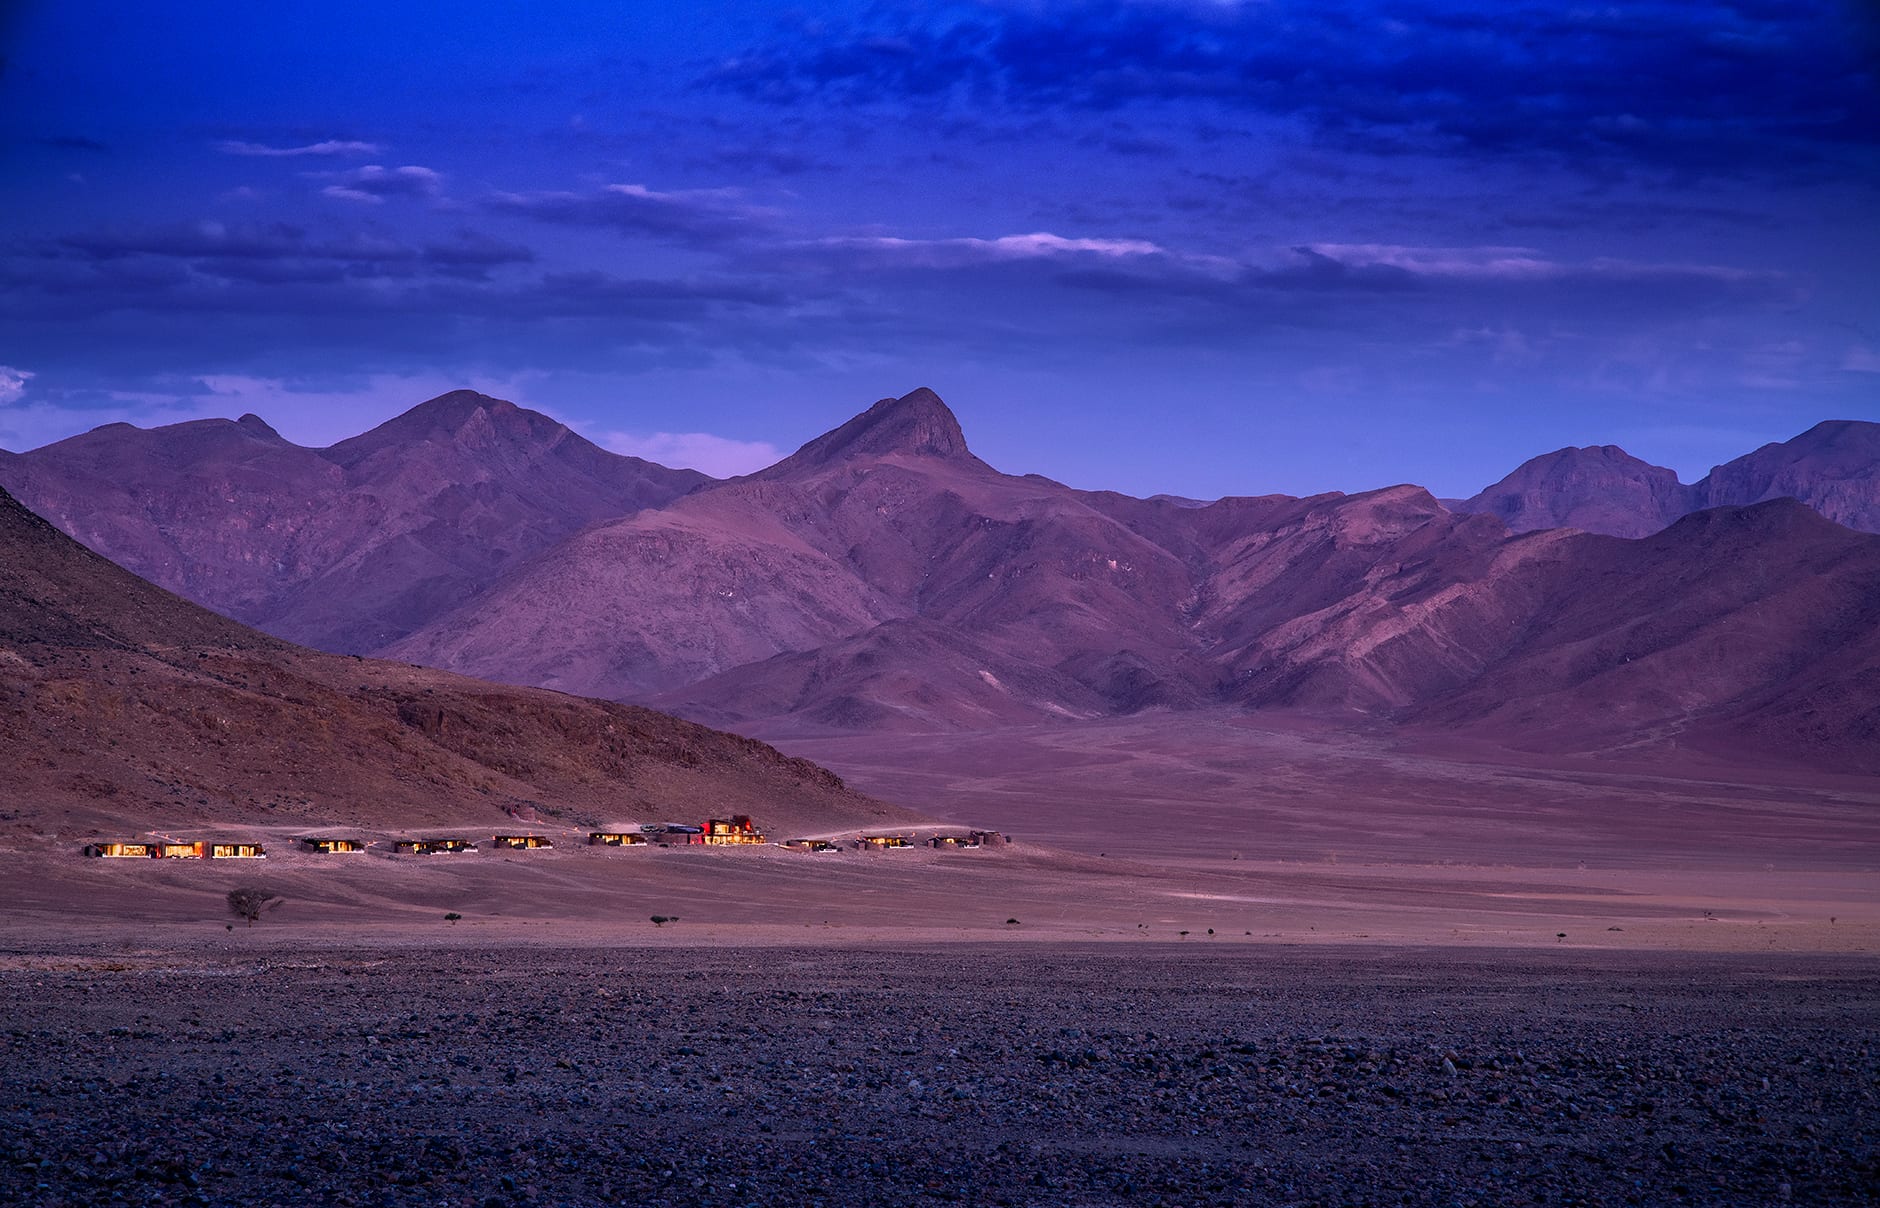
{"type": "Point", "coordinates": [123, 705]}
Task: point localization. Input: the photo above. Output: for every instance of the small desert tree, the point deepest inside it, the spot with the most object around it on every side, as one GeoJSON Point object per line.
{"type": "Point", "coordinates": [248, 901]}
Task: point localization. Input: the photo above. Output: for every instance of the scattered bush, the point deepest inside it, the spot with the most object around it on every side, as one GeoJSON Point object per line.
{"type": "Point", "coordinates": [660, 920]}
{"type": "Point", "coordinates": [1011, 922]}
{"type": "Point", "coordinates": [248, 901]}
{"type": "Point", "coordinates": [452, 917]}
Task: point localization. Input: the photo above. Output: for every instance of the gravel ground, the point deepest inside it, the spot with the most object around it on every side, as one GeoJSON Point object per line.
{"type": "Point", "coordinates": [1023, 1074]}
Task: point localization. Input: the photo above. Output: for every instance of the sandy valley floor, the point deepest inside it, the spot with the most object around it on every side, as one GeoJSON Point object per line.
{"type": "Point", "coordinates": [1144, 831]}
{"type": "Point", "coordinates": [1222, 964]}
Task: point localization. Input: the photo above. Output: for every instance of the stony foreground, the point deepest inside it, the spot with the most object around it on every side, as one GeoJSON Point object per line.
{"type": "Point", "coordinates": [1017, 1074]}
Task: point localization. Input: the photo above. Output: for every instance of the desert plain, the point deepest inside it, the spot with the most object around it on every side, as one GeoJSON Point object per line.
{"type": "Point", "coordinates": [1227, 959]}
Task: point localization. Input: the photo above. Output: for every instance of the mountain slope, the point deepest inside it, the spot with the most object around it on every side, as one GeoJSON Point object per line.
{"type": "Point", "coordinates": [1834, 468]}
{"type": "Point", "coordinates": [658, 599]}
{"type": "Point", "coordinates": [1756, 628]}
{"type": "Point", "coordinates": [1602, 489]}
{"type": "Point", "coordinates": [344, 548]}
{"type": "Point", "coordinates": [887, 518]}
{"type": "Point", "coordinates": [1749, 631]}
{"type": "Point", "coordinates": [122, 705]}
{"type": "Point", "coordinates": [883, 578]}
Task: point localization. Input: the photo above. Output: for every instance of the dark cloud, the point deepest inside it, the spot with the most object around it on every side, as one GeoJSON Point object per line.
{"type": "Point", "coordinates": [604, 295]}
{"type": "Point", "coordinates": [261, 252]}
{"type": "Point", "coordinates": [1683, 86]}
{"type": "Point", "coordinates": [123, 320]}
{"type": "Point", "coordinates": [778, 161]}
{"type": "Point", "coordinates": [471, 254]}
{"type": "Point", "coordinates": [280, 269]}
{"type": "Point", "coordinates": [215, 240]}
{"type": "Point", "coordinates": [1632, 216]}
{"type": "Point", "coordinates": [692, 216]}
{"type": "Point", "coordinates": [471, 294]}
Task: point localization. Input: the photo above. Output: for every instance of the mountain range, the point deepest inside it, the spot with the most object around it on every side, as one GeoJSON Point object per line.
{"type": "Point", "coordinates": [1834, 468]}
{"type": "Point", "coordinates": [122, 705]}
{"type": "Point", "coordinates": [346, 548]}
{"type": "Point", "coordinates": [883, 577]}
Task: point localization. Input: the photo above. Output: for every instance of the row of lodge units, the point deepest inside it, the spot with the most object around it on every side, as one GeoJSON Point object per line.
{"type": "Point", "coordinates": [428, 847]}
{"type": "Point", "coordinates": [166, 850]}
{"type": "Point", "coordinates": [735, 831]}
{"type": "Point", "coordinates": [970, 841]}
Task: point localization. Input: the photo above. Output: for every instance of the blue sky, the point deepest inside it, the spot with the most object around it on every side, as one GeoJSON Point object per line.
{"type": "Point", "coordinates": [1202, 248]}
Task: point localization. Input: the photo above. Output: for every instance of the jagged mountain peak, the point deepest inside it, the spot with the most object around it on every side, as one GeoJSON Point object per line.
{"type": "Point", "coordinates": [455, 406]}
{"type": "Point", "coordinates": [254, 425]}
{"type": "Point", "coordinates": [457, 415]}
{"type": "Point", "coordinates": [918, 424]}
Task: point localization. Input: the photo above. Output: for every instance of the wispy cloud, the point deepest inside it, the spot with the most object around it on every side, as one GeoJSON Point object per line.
{"type": "Point", "coordinates": [1120, 264]}
{"type": "Point", "coordinates": [12, 383]}
{"type": "Point", "coordinates": [1514, 264]}
{"type": "Point", "coordinates": [948, 253]}
{"type": "Point", "coordinates": [326, 148]}
{"type": "Point", "coordinates": [694, 216]}
{"type": "Point", "coordinates": [374, 183]}
{"type": "Point", "coordinates": [719, 456]}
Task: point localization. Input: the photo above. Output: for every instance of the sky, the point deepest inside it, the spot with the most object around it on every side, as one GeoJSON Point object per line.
{"type": "Point", "coordinates": [1202, 248]}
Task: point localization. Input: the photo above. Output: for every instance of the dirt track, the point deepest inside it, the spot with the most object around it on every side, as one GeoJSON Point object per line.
{"type": "Point", "coordinates": [1015, 1074]}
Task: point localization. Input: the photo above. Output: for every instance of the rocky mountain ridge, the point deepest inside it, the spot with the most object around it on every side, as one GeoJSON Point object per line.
{"type": "Point", "coordinates": [883, 577]}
